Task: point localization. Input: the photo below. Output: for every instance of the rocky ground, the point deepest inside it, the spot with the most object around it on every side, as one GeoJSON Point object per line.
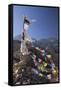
{"type": "Point", "coordinates": [33, 68]}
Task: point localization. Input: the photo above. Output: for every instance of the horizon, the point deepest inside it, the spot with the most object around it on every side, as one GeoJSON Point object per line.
{"type": "Point", "coordinates": [18, 36]}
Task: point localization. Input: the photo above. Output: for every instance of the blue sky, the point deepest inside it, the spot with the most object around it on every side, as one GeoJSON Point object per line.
{"type": "Point", "coordinates": [45, 26]}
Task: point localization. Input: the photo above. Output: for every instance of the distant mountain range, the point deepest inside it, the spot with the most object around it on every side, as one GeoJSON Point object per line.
{"type": "Point", "coordinates": [51, 43]}
{"type": "Point", "coordinates": [18, 37]}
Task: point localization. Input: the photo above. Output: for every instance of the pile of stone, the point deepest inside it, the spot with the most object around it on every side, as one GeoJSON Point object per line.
{"type": "Point", "coordinates": [36, 67]}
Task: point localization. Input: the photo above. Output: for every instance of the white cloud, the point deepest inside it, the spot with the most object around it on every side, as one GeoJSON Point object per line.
{"type": "Point", "coordinates": [33, 20]}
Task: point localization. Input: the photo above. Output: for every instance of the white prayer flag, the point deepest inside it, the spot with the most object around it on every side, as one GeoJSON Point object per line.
{"type": "Point", "coordinates": [26, 26]}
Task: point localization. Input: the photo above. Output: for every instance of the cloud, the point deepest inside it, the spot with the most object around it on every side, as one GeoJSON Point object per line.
{"type": "Point", "coordinates": [33, 20]}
